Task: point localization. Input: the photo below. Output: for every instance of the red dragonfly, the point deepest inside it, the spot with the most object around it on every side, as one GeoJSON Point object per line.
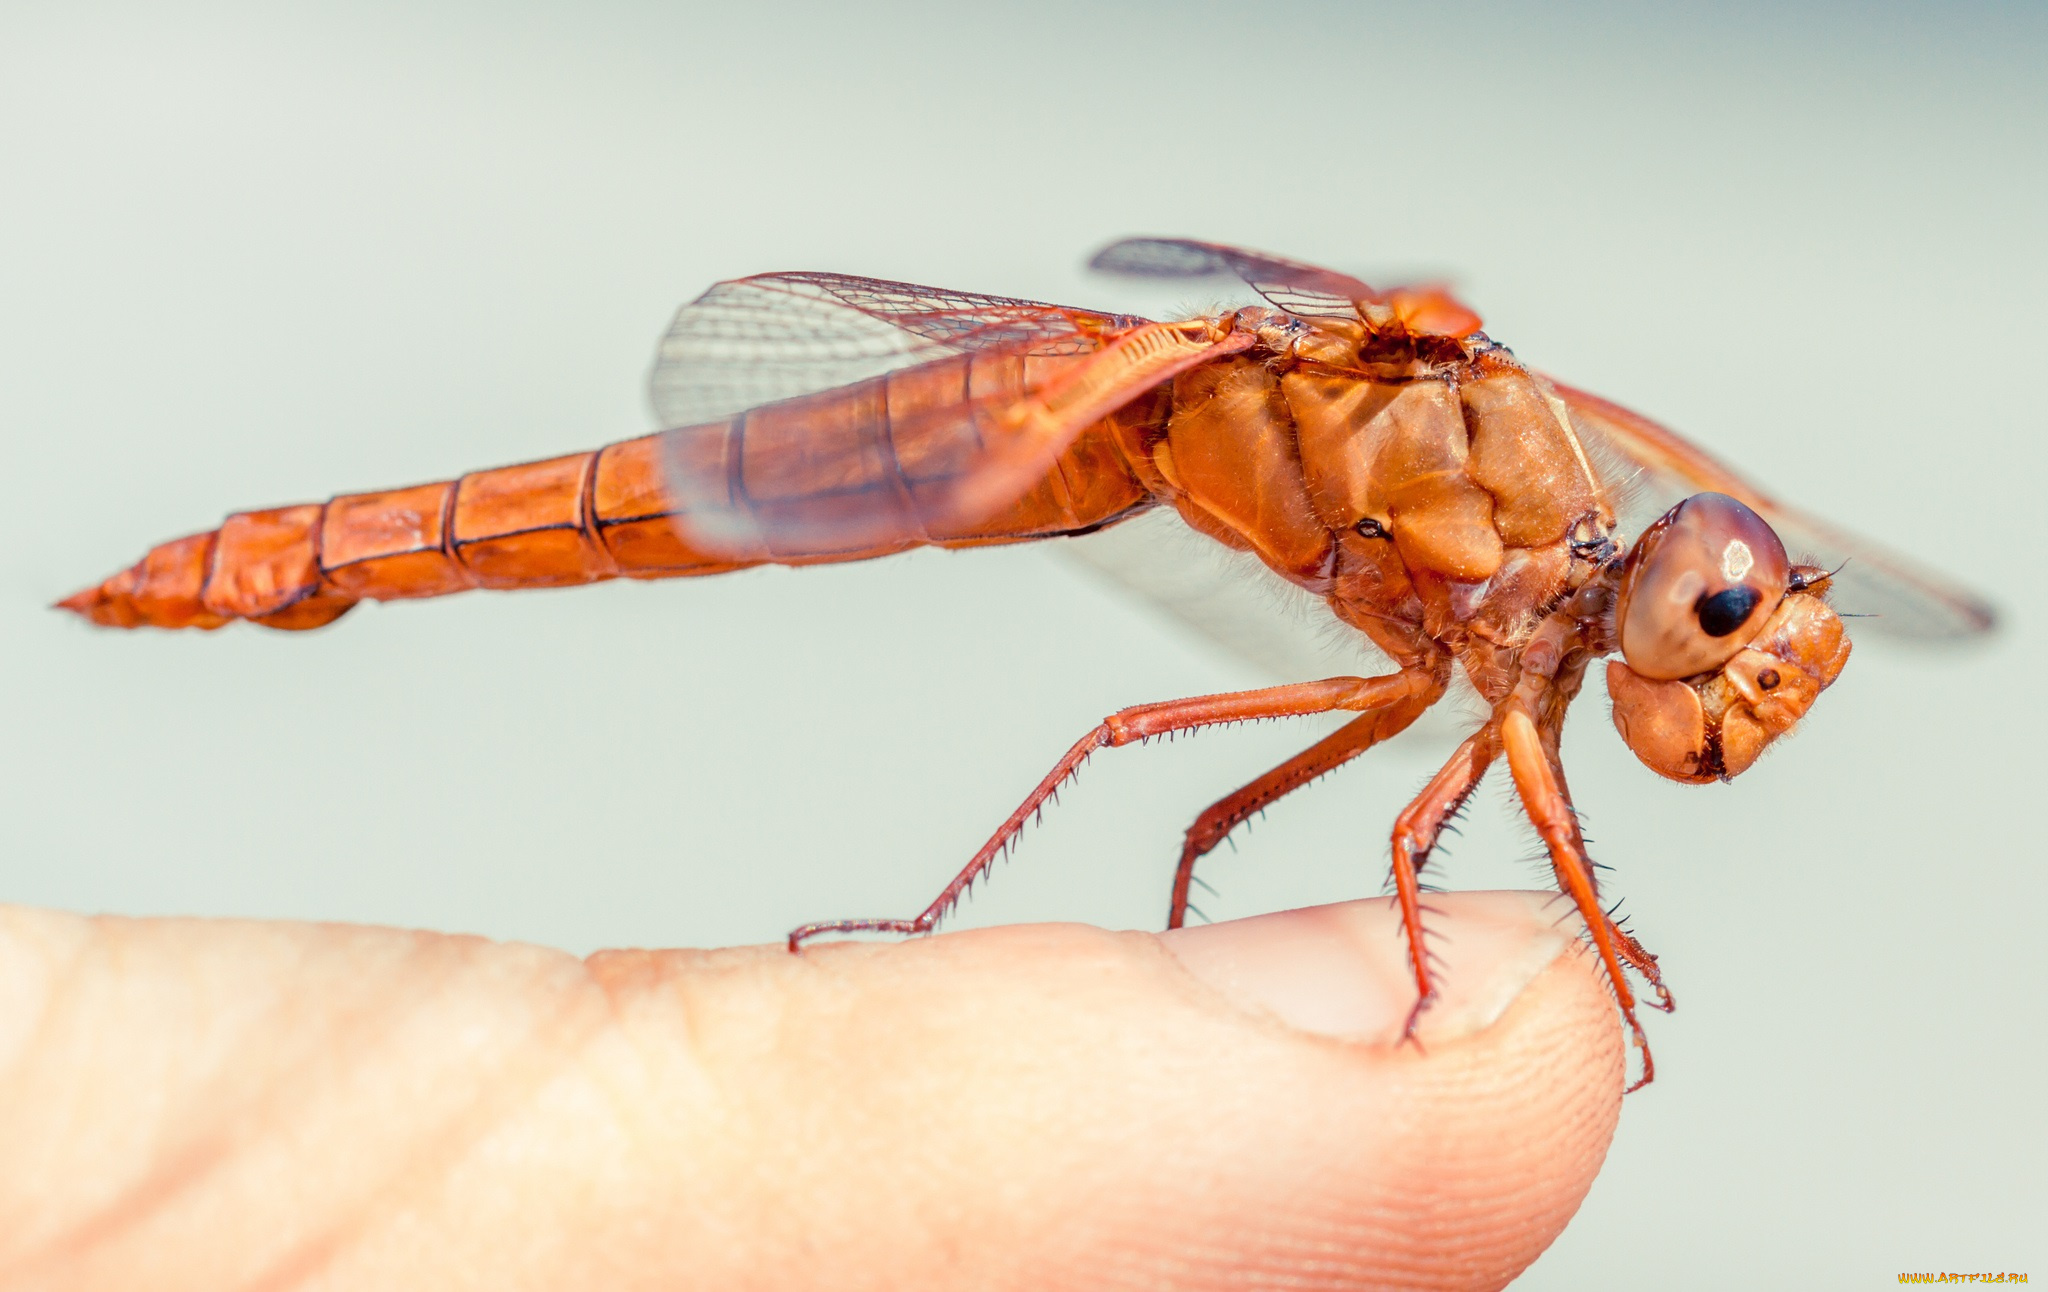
{"type": "Point", "coordinates": [1450, 507]}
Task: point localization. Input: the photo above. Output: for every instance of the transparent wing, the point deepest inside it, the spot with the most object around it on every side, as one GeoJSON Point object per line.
{"type": "Point", "coordinates": [760, 340]}
{"type": "Point", "coordinates": [1224, 596]}
{"type": "Point", "coordinates": [821, 416]}
{"type": "Point", "coordinates": [1662, 468]}
{"type": "Point", "coordinates": [1306, 291]}
{"type": "Point", "coordinates": [813, 413]}
{"type": "Point", "coordinates": [1298, 289]}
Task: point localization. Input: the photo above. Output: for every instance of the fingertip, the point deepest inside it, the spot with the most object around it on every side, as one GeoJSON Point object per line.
{"type": "Point", "coordinates": [1453, 1158]}
{"type": "Point", "coordinates": [1218, 1107]}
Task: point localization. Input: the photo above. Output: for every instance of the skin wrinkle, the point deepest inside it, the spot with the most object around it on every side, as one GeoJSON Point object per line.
{"type": "Point", "coordinates": [271, 1102]}
{"type": "Point", "coordinates": [180, 1171]}
{"type": "Point", "coordinates": [610, 972]}
{"type": "Point", "coordinates": [530, 1064]}
{"type": "Point", "coordinates": [627, 981]}
{"type": "Point", "coordinates": [13, 930]}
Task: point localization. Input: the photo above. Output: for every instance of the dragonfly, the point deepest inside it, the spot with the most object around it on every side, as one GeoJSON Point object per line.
{"type": "Point", "coordinates": [1448, 507]}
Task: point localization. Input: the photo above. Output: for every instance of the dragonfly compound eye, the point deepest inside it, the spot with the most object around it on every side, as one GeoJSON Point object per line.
{"type": "Point", "coordinates": [1714, 726]}
{"type": "Point", "coordinates": [1698, 586]}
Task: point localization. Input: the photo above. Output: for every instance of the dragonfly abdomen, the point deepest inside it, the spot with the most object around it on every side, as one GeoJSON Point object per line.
{"type": "Point", "coordinates": [576, 519]}
{"type": "Point", "coordinates": [582, 518]}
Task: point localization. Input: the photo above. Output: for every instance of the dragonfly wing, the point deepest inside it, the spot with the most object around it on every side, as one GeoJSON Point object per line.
{"type": "Point", "coordinates": [1655, 468]}
{"type": "Point", "coordinates": [1228, 598]}
{"type": "Point", "coordinates": [1303, 290]}
{"type": "Point", "coordinates": [826, 416]}
{"type": "Point", "coordinates": [1298, 289]}
{"type": "Point", "coordinates": [760, 340]}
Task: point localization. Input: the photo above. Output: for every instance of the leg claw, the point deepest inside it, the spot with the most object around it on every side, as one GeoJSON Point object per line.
{"type": "Point", "coordinates": [908, 928]}
{"type": "Point", "coordinates": [1422, 1002]}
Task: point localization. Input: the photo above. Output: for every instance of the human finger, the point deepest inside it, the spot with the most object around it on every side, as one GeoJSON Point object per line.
{"type": "Point", "coordinates": [225, 1103]}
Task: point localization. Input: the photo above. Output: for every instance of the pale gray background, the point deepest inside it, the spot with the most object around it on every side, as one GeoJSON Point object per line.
{"type": "Point", "coordinates": [249, 258]}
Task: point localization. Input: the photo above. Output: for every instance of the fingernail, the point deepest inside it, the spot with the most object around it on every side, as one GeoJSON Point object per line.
{"type": "Point", "coordinates": [1343, 970]}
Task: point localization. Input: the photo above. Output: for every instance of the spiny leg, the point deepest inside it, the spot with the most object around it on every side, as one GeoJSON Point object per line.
{"type": "Point", "coordinates": [1641, 960]}
{"type": "Point", "coordinates": [1127, 726]}
{"type": "Point", "coordinates": [1234, 809]}
{"type": "Point", "coordinates": [1415, 834]}
{"type": "Point", "coordinates": [1543, 798]}
{"type": "Point", "coordinates": [1325, 756]}
{"type": "Point", "coordinates": [1639, 957]}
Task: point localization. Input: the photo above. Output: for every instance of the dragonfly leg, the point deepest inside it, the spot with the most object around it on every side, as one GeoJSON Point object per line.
{"type": "Point", "coordinates": [1550, 725]}
{"type": "Point", "coordinates": [1416, 831]}
{"type": "Point", "coordinates": [1376, 697]}
{"type": "Point", "coordinates": [1643, 962]}
{"type": "Point", "coordinates": [1319, 759]}
{"type": "Point", "coordinates": [1550, 810]}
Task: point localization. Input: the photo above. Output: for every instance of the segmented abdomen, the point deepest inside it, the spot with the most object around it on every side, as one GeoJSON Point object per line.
{"type": "Point", "coordinates": [577, 519]}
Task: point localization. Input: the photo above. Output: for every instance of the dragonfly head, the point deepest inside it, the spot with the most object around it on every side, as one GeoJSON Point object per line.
{"type": "Point", "coordinates": [1725, 643]}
